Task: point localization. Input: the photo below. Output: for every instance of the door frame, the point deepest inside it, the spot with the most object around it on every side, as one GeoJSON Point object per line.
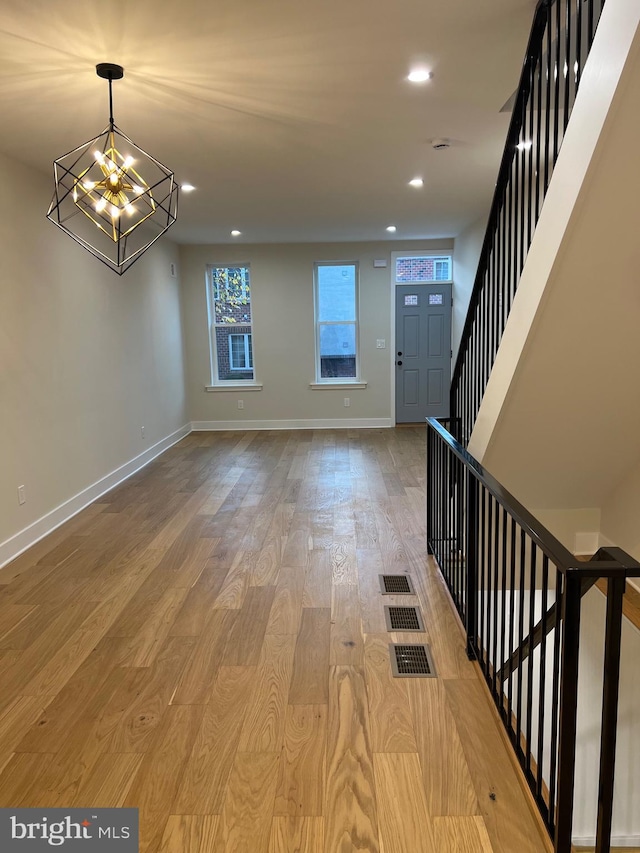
{"type": "Point", "coordinates": [410, 253]}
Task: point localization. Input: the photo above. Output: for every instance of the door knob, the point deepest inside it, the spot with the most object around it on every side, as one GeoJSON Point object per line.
{"type": "Point", "coordinates": [399, 363]}
{"type": "Point", "coordinates": [399, 353]}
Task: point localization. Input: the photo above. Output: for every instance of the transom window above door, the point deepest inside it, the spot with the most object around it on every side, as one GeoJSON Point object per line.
{"type": "Point", "coordinates": [426, 268]}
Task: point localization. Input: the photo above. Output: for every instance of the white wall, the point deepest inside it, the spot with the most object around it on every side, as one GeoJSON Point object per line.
{"type": "Point", "coordinates": [577, 529]}
{"type": "Point", "coordinates": [283, 333]}
{"type": "Point", "coordinates": [468, 245]}
{"type": "Point", "coordinates": [620, 521]}
{"type": "Point", "coordinates": [86, 359]}
{"type": "Point", "coordinates": [620, 516]}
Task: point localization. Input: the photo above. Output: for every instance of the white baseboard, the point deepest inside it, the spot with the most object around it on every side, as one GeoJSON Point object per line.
{"type": "Point", "coordinates": [616, 841]}
{"type": "Point", "coordinates": [312, 423]}
{"type": "Point", "coordinates": [15, 545]}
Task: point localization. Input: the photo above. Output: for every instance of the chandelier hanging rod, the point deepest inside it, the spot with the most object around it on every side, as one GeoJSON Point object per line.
{"type": "Point", "coordinates": [109, 71]}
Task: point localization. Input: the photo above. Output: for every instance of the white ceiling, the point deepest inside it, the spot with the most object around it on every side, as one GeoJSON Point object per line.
{"type": "Point", "coordinates": [293, 119]}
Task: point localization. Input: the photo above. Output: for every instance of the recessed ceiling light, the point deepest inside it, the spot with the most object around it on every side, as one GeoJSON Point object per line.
{"type": "Point", "coordinates": [525, 145]}
{"type": "Point", "coordinates": [416, 182]}
{"type": "Point", "coordinates": [419, 75]}
{"type": "Point", "coordinates": [235, 233]}
{"type": "Point", "coordinates": [391, 229]}
{"type": "Point", "coordinates": [187, 188]}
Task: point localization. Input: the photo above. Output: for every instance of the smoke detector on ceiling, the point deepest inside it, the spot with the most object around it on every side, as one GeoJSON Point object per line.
{"type": "Point", "coordinates": [439, 144]}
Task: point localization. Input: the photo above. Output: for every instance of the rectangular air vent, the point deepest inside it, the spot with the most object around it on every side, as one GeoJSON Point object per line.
{"type": "Point", "coordinates": [411, 661]}
{"type": "Point", "coordinates": [396, 585]}
{"type": "Point", "coordinates": [403, 619]}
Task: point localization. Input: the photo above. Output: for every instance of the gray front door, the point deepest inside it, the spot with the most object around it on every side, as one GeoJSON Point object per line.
{"type": "Point", "coordinates": [423, 352]}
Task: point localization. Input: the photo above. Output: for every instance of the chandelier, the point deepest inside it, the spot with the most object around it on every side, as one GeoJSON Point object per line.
{"type": "Point", "coordinates": [110, 196]}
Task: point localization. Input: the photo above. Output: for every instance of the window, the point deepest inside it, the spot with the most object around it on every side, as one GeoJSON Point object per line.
{"type": "Point", "coordinates": [441, 269]}
{"type": "Point", "coordinates": [336, 301]}
{"type": "Point", "coordinates": [240, 354]}
{"type": "Point", "coordinates": [422, 268]}
{"type": "Point", "coordinates": [230, 324]}
{"type": "Point", "coordinates": [230, 279]}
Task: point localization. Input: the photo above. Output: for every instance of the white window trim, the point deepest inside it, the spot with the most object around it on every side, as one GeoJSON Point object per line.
{"type": "Point", "coordinates": [427, 253]}
{"type": "Point", "coordinates": [336, 385]}
{"type": "Point", "coordinates": [333, 382]}
{"type": "Point", "coordinates": [218, 384]}
{"type": "Point", "coordinates": [245, 385]}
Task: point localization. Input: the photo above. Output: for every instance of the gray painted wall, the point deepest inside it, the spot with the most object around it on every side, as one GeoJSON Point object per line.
{"type": "Point", "coordinates": [283, 336]}
{"type": "Point", "coordinates": [86, 357]}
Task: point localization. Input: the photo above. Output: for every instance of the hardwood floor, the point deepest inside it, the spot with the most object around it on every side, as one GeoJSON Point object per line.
{"type": "Point", "coordinates": [207, 643]}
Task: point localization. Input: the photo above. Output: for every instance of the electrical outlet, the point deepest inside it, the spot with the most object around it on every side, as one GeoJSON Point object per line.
{"type": "Point", "coordinates": [347, 402]}
{"type": "Point", "coordinates": [22, 495]}
{"type": "Point", "coordinates": [380, 343]}
{"type": "Point", "coordinates": [141, 432]}
{"type": "Point", "coordinates": [241, 404]}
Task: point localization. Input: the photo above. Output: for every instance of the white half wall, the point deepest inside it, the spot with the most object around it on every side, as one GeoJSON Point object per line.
{"type": "Point", "coordinates": [87, 359]}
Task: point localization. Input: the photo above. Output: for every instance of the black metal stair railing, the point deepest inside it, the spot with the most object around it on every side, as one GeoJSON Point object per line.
{"type": "Point", "coordinates": [552, 617]}
{"type": "Point", "coordinates": [519, 593]}
{"type": "Point", "coordinates": [560, 41]}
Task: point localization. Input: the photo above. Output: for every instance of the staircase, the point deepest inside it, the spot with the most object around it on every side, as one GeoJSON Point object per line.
{"type": "Point", "coordinates": [521, 597]}
{"type": "Point", "coordinates": [520, 593]}
{"type": "Point", "coordinates": [561, 39]}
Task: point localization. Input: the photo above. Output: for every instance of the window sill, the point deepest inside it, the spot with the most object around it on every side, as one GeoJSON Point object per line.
{"type": "Point", "coordinates": [335, 386]}
{"type": "Point", "coordinates": [234, 386]}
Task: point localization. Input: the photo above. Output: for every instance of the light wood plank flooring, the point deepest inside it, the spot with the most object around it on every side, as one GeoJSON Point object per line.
{"type": "Point", "coordinates": [207, 643]}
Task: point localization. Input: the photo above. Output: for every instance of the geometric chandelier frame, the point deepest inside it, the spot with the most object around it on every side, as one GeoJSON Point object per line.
{"type": "Point", "coordinates": [111, 196]}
